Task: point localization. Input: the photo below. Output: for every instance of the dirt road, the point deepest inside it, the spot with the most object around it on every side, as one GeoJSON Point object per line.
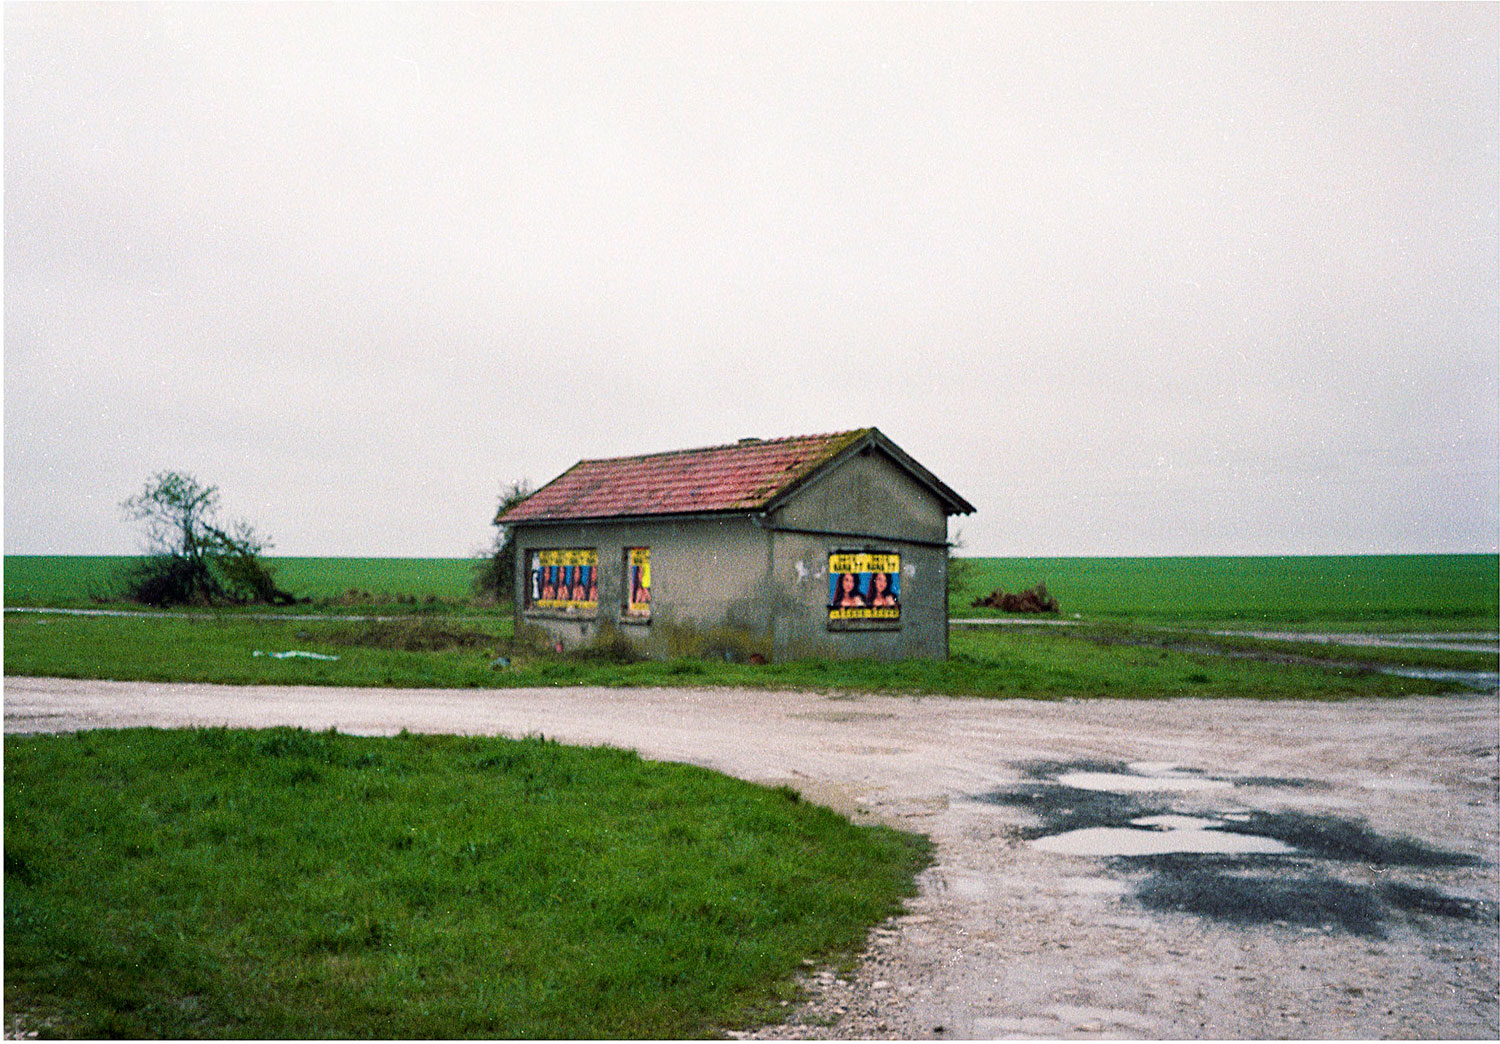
{"type": "Point", "coordinates": [1324, 870]}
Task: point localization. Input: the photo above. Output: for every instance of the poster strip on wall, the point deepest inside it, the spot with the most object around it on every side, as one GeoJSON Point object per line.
{"type": "Point", "coordinates": [566, 579]}
{"type": "Point", "coordinates": [638, 582]}
{"type": "Point", "coordinates": [864, 585]}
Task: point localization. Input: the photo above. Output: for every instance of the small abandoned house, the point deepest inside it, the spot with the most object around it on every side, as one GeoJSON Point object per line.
{"type": "Point", "coordinates": [818, 546]}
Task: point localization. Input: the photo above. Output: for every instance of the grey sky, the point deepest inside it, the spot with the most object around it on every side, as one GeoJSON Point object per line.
{"type": "Point", "coordinates": [1132, 279]}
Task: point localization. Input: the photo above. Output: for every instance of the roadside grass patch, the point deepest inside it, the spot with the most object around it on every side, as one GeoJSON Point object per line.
{"type": "Point", "coordinates": [1057, 663]}
{"type": "Point", "coordinates": [284, 883]}
{"type": "Point", "coordinates": [411, 634]}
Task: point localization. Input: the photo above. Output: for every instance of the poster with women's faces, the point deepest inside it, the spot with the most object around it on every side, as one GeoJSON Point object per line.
{"type": "Point", "coordinates": [864, 585]}
{"type": "Point", "coordinates": [565, 579]}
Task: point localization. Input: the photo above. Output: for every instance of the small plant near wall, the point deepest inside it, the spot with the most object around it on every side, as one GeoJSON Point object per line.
{"type": "Point", "coordinates": [495, 573]}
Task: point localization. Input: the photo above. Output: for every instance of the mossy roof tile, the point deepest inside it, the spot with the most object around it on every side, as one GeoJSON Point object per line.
{"type": "Point", "coordinates": [744, 476]}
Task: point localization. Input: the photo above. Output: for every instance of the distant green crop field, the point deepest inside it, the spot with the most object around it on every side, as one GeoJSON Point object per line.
{"type": "Point", "coordinates": [1285, 589]}
{"type": "Point", "coordinates": [331, 577]}
{"type": "Point", "coordinates": [62, 579]}
{"type": "Point", "coordinates": [1393, 590]}
{"type": "Point", "coordinates": [75, 580]}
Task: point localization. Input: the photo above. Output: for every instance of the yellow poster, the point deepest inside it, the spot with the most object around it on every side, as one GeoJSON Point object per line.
{"type": "Point", "coordinates": [638, 581]}
{"type": "Point", "coordinates": [565, 578]}
{"type": "Point", "coordinates": [864, 562]}
{"type": "Point", "coordinates": [864, 585]}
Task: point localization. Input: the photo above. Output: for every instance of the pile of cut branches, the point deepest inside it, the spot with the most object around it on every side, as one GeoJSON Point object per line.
{"type": "Point", "coordinates": [1036, 600]}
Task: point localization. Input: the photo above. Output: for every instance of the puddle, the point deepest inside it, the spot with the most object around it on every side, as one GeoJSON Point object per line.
{"type": "Point", "coordinates": [1484, 681]}
{"type": "Point", "coordinates": [1337, 839]}
{"type": "Point", "coordinates": [1465, 641]}
{"type": "Point", "coordinates": [1160, 835]}
{"type": "Point", "coordinates": [1242, 866]}
{"type": "Point", "coordinates": [1131, 783]}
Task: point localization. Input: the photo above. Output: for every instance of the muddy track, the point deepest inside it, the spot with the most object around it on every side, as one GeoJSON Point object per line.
{"type": "Point", "coordinates": [1360, 901]}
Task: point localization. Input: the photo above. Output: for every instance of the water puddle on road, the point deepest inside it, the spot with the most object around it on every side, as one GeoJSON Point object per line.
{"type": "Point", "coordinates": [1144, 777]}
{"type": "Point", "coordinates": [1465, 641]}
{"type": "Point", "coordinates": [1147, 822]}
{"type": "Point", "coordinates": [1485, 680]}
{"type": "Point", "coordinates": [1160, 835]}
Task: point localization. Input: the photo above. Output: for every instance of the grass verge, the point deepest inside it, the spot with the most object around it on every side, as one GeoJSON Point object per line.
{"type": "Point", "coordinates": [283, 883]}
{"type": "Point", "coordinates": [1043, 663]}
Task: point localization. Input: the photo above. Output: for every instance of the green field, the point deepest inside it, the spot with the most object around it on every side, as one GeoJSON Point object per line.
{"type": "Point", "coordinates": [1365, 590]}
{"type": "Point", "coordinates": [287, 884]}
{"type": "Point", "coordinates": [1129, 637]}
{"type": "Point", "coordinates": [82, 580]}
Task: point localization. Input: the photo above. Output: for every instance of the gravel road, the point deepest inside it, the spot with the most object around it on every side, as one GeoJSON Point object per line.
{"type": "Point", "coordinates": [1380, 920]}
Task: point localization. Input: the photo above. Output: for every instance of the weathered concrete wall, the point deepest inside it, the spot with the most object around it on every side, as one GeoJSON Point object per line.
{"type": "Point", "coordinates": [760, 579]}
{"type": "Point", "coordinates": [799, 586]}
{"type": "Point", "coordinates": [705, 574]}
{"type": "Point", "coordinates": [868, 494]}
{"type": "Point", "coordinates": [872, 505]}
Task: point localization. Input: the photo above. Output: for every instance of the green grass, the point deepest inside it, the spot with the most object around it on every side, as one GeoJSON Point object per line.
{"type": "Point", "coordinates": [288, 884]}
{"type": "Point", "coordinates": [76, 581]}
{"type": "Point", "coordinates": [1389, 591]}
{"type": "Point", "coordinates": [63, 580]}
{"type": "Point", "coordinates": [1046, 663]}
{"type": "Point", "coordinates": [1427, 591]}
{"type": "Point", "coordinates": [1121, 651]}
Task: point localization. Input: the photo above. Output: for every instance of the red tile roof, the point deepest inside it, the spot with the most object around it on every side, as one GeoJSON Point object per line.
{"type": "Point", "coordinates": [745, 476]}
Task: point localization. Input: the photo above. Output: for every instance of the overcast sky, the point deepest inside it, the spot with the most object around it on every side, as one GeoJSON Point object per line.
{"type": "Point", "coordinates": [1134, 280]}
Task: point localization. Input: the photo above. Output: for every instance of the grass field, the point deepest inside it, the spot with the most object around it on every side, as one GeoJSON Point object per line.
{"type": "Point", "coordinates": [288, 884]}
{"type": "Point", "coordinates": [80, 580]}
{"type": "Point", "coordinates": [1364, 590]}
{"type": "Point", "coordinates": [1399, 590]}
{"type": "Point", "coordinates": [1118, 647]}
{"type": "Point", "coordinates": [1046, 663]}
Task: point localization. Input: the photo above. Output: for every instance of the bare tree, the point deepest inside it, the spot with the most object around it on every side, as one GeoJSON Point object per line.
{"type": "Point", "coordinates": [495, 575]}
{"type": "Point", "coordinates": [192, 559]}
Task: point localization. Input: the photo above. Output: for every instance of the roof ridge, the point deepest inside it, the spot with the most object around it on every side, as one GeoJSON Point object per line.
{"type": "Point", "coordinates": [754, 475]}
{"type": "Point", "coordinates": [729, 446]}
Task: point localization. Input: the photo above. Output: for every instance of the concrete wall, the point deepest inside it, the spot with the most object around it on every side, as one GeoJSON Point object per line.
{"type": "Point", "coordinates": [760, 584]}
{"type": "Point", "coordinates": [868, 494]}
{"type": "Point", "coordinates": [866, 504]}
{"type": "Point", "coordinates": [705, 574]}
{"type": "Point", "coordinates": [801, 627]}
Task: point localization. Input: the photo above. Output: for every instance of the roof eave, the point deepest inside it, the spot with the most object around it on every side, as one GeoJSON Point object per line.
{"type": "Point", "coordinates": [666, 516]}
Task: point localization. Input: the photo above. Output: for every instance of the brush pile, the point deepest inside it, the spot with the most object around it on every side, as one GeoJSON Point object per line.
{"type": "Point", "coordinates": [1036, 600]}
